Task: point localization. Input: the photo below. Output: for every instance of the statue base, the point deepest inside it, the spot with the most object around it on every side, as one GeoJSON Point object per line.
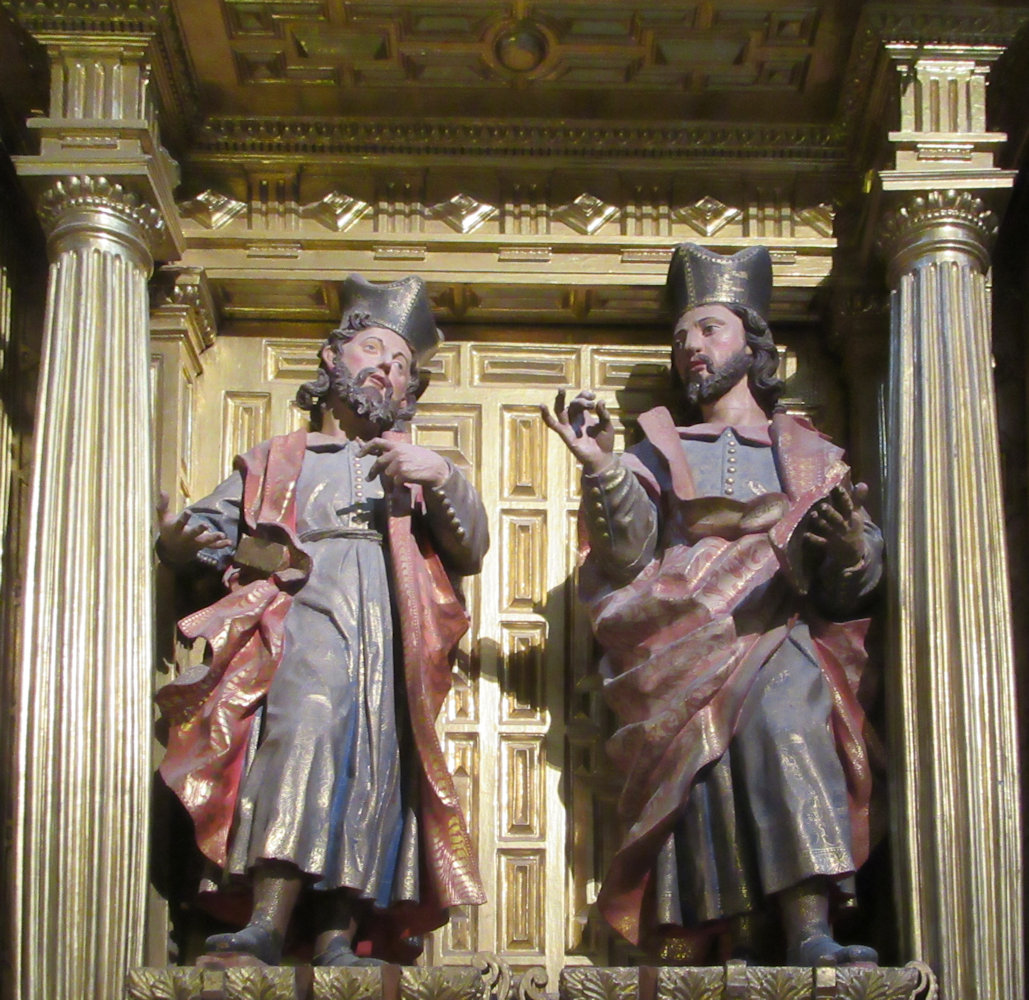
{"type": "Point", "coordinates": [490, 979]}
{"type": "Point", "coordinates": [739, 981]}
{"type": "Point", "coordinates": [213, 981]}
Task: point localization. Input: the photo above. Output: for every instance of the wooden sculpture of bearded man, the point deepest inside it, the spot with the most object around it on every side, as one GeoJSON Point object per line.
{"type": "Point", "coordinates": [728, 561]}
{"type": "Point", "coordinates": [304, 748]}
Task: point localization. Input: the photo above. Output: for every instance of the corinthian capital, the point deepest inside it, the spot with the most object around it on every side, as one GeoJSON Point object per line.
{"type": "Point", "coordinates": [75, 209]}
{"type": "Point", "coordinates": [937, 224]}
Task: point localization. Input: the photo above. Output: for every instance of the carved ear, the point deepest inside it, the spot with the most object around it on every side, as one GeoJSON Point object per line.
{"type": "Point", "coordinates": [328, 356]}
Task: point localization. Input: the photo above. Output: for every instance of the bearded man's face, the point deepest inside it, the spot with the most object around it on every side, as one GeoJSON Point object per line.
{"type": "Point", "coordinates": [708, 386]}
{"type": "Point", "coordinates": [710, 352]}
{"type": "Point", "coordinates": [377, 390]}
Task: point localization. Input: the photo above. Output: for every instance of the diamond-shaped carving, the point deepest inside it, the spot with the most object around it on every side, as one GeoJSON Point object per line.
{"type": "Point", "coordinates": [586, 214]}
{"type": "Point", "coordinates": [707, 215]}
{"type": "Point", "coordinates": [212, 210]}
{"type": "Point", "coordinates": [462, 213]}
{"type": "Point", "coordinates": [819, 218]}
{"type": "Point", "coordinates": [336, 211]}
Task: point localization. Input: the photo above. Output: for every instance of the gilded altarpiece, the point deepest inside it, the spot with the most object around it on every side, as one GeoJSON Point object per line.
{"type": "Point", "coordinates": [524, 723]}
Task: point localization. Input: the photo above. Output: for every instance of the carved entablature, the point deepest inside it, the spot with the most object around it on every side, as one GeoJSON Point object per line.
{"type": "Point", "coordinates": [473, 243]}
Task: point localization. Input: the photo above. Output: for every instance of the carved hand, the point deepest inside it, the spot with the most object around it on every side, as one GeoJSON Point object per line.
{"type": "Point", "coordinates": [835, 526]}
{"type": "Point", "coordinates": [179, 540]}
{"type": "Point", "coordinates": [402, 462]}
{"type": "Point", "coordinates": [585, 427]}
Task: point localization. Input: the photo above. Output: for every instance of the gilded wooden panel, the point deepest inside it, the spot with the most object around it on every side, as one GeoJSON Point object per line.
{"type": "Point", "coordinates": [524, 723]}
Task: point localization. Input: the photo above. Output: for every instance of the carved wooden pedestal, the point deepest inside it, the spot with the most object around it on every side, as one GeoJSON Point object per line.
{"type": "Point", "coordinates": [490, 979]}
{"type": "Point", "coordinates": [739, 981]}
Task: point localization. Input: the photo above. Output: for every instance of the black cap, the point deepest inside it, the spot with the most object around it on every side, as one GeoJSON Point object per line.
{"type": "Point", "coordinates": [697, 276]}
{"type": "Point", "coordinates": [401, 306]}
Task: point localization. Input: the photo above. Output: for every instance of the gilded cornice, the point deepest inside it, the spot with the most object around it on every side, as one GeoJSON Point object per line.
{"type": "Point", "coordinates": [175, 84]}
{"type": "Point", "coordinates": [477, 139]}
{"type": "Point", "coordinates": [978, 23]}
{"type": "Point", "coordinates": [866, 88]}
{"type": "Point", "coordinates": [123, 16]}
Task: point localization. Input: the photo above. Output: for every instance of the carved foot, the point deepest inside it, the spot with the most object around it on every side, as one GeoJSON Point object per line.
{"type": "Point", "coordinates": [254, 940]}
{"type": "Point", "coordinates": [820, 949]}
{"type": "Point", "coordinates": [339, 955]}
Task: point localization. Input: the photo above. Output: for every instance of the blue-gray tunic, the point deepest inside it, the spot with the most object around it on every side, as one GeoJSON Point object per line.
{"type": "Point", "coordinates": [772, 811]}
{"type": "Point", "coordinates": [323, 788]}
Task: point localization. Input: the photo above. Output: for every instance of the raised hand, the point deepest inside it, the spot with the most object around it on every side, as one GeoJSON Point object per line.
{"type": "Point", "coordinates": [835, 526]}
{"type": "Point", "coordinates": [402, 462]}
{"type": "Point", "coordinates": [585, 427]}
{"type": "Point", "coordinates": [179, 540]}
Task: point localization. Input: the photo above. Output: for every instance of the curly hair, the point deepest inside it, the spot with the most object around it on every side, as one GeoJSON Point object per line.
{"type": "Point", "coordinates": [764, 384]}
{"type": "Point", "coordinates": [311, 395]}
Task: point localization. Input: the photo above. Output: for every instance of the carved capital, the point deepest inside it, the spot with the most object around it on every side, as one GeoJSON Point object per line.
{"type": "Point", "coordinates": [934, 225]}
{"type": "Point", "coordinates": [74, 210]}
{"type": "Point", "coordinates": [187, 288]}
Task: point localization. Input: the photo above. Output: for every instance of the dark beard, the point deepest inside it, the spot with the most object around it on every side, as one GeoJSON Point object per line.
{"type": "Point", "coordinates": [379, 409]}
{"type": "Point", "coordinates": [702, 389]}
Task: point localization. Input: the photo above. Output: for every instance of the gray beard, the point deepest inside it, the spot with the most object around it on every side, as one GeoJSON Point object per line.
{"type": "Point", "coordinates": [703, 389]}
{"type": "Point", "coordinates": [380, 410]}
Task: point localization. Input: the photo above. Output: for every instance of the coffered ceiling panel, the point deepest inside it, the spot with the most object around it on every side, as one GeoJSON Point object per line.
{"type": "Point", "coordinates": [680, 60]}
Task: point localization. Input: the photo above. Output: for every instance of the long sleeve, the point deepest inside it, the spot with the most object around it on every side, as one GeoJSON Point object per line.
{"type": "Point", "coordinates": [621, 521]}
{"type": "Point", "coordinates": [842, 590]}
{"type": "Point", "coordinates": [457, 521]}
{"type": "Point", "coordinates": [219, 511]}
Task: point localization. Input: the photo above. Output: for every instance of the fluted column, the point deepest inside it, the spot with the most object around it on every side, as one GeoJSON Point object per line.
{"type": "Point", "coordinates": [84, 707]}
{"type": "Point", "coordinates": [955, 803]}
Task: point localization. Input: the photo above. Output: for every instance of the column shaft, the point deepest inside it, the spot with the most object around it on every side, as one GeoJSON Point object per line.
{"type": "Point", "coordinates": [84, 707]}
{"type": "Point", "coordinates": [953, 727]}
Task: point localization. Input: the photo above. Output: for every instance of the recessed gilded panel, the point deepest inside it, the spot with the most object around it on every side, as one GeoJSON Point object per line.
{"type": "Point", "coordinates": [462, 750]}
{"type": "Point", "coordinates": [444, 368]}
{"type": "Point", "coordinates": [523, 536]}
{"type": "Point", "coordinates": [462, 704]}
{"type": "Point", "coordinates": [521, 777]}
{"type": "Point", "coordinates": [460, 935]}
{"type": "Point", "coordinates": [523, 453]}
{"type": "Point", "coordinates": [630, 369]}
{"type": "Point", "coordinates": [285, 298]}
{"type": "Point", "coordinates": [246, 422]}
{"type": "Point", "coordinates": [536, 365]}
{"type": "Point", "coordinates": [291, 360]}
{"type": "Point", "coordinates": [521, 671]}
{"type": "Point", "coordinates": [520, 916]}
{"type": "Point", "coordinates": [453, 431]}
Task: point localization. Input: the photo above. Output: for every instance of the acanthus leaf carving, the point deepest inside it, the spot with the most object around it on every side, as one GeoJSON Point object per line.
{"type": "Point", "coordinates": [98, 194]}
{"type": "Point", "coordinates": [909, 224]}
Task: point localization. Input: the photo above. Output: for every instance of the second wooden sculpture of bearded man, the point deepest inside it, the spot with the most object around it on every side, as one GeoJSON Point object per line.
{"type": "Point", "coordinates": [728, 561]}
